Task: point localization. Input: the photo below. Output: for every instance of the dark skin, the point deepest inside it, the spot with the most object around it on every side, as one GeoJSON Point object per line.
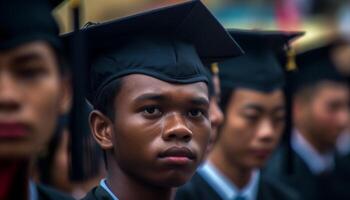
{"type": "Point", "coordinates": [33, 93]}
{"type": "Point", "coordinates": [157, 139]}
{"type": "Point", "coordinates": [323, 116]}
{"type": "Point", "coordinates": [254, 122]}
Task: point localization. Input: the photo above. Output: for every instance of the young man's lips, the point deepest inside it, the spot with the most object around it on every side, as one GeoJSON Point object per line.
{"type": "Point", "coordinates": [262, 153]}
{"type": "Point", "coordinates": [12, 130]}
{"type": "Point", "coordinates": [177, 155]}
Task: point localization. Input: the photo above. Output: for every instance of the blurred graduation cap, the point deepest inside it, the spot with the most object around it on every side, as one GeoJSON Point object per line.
{"type": "Point", "coordinates": [315, 66]}
{"type": "Point", "coordinates": [259, 69]}
{"type": "Point", "coordinates": [169, 44]}
{"type": "Point", "coordinates": [25, 21]}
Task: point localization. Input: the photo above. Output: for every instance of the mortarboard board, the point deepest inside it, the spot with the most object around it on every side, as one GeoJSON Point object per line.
{"type": "Point", "coordinates": [169, 44]}
{"type": "Point", "coordinates": [24, 21]}
{"type": "Point", "coordinates": [314, 66]}
{"type": "Point", "coordinates": [259, 69]}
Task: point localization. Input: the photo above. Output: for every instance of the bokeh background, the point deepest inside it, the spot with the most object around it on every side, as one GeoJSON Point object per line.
{"type": "Point", "coordinates": [323, 20]}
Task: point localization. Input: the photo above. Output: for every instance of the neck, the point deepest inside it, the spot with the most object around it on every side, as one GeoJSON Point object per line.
{"type": "Point", "coordinates": [125, 186]}
{"type": "Point", "coordinates": [237, 174]}
{"type": "Point", "coordinates": [14, 176]}
{"type": "Point", "coordinates": [318, 146]}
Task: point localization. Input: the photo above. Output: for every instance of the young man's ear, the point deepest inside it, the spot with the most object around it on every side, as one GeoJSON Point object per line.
{"type": "Point", "coordinates": [102, 129]}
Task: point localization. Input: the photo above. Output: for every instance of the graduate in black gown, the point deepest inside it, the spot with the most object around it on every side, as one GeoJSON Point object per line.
{"type": "Point", "coordinates": [33, 93]}
{"type": "Point", "coordinates": [253, 104]}
{"type": "Point", "coordinates": [307, 160]}
{"type": "Point", "coordinates": [150, 96]}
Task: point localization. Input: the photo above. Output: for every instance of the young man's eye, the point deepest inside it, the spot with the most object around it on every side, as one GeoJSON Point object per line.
{"type": "Point", "coordinates": [30, 72]}
{"type": "Point", "coordinates": [196, 113]}
{"type": "Point", "coordinates": [251, 118]}
{"type": "Point", "coordinates": [151, 111]}
{"type": "Point", "coordinates": [279, 117]}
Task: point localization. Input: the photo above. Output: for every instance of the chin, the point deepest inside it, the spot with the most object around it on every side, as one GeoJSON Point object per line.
{"type": "Point", "coordinates": [175, 179]}
{"type": "Point", "coordinates": [17, 151]}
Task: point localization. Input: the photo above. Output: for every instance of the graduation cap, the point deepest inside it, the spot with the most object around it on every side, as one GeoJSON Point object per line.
{"type": "Point", "coordinates": [169, 44]}
{"type": "Point", "coordinates": [259, 69]}
{"type": "Point", "coordinates": [315, 66]}
{"type": "Point", "coordinates": [24, 21]}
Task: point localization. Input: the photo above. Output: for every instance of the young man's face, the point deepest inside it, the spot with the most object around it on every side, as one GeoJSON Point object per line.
{"type": "Point", "coordinates": [161, 130]}
{"type": "Point", "coordinates": [30, 98]}
{"type": "Point", "coordinates": [254, 122]}
{"type": "Point", "coordinates": [325, 115]}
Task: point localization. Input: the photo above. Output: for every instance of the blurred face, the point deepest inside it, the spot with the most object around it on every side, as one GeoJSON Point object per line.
{"type": "Point", "coordinates": [30, 98]}
{"type": "Point", "coordinates": [215, 114]}
{"type": "Point", "coordinates": [253, 125]}
{"type": "Point", "coordinates": [325, 115]}
{"type": "Point", "coordinates": [160, 130]}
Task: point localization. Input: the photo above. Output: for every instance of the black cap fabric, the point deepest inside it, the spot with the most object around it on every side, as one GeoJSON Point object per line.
{"type": "Point", "coordinates": [25, 21]}
{"type": "Point", "coordinates": [259, 69]}
{"type": "Point", "coordinates": [314, 66]}
{"type": "Point", "coordinates": [168, 43]}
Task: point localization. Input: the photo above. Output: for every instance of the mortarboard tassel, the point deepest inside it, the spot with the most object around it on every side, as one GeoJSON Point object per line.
{"type": "Point", "coordinates": [214, 68]}
{"type": "Point", "coordinates": [291, 63]}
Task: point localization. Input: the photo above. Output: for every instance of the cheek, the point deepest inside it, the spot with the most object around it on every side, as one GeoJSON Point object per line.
{"type": "Point", "coordinates": [41, 107]}
{"type": "Point", "coordinates": [201, 134]}
{"type": "Point", "coordinates": [132, 130]}
{"type": "Point", "coordinates": [237, 132]}
{"type": "Point", "coordinates": [322, 116]}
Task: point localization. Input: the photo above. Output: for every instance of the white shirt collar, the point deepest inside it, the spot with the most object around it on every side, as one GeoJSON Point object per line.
{"type": "Point", "coordinates": [316, 162]}
{"type": "Point", "coordinates": [343, 143]}
{"type": "Point", "coordinates": [224, 187]}
{"type": "Point", "coordinates": [33, 192]}
{"type": "Point", "coordinates": [105, 187]}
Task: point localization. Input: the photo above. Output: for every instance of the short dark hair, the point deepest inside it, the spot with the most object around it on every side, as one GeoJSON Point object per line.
{"type": "Point", "coordinates": [105, 102]}
{"type": "Point", "coordinates": [307, 92]}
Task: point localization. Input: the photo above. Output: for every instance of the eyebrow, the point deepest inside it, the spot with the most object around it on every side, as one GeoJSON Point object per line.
{"type": "Point", "coordinates": [279, 108]}
{"type": "Point", "coordinates": [201, 101]}
{"type": "Point", "coordinates": [26, 57]}
{"type": "Point", "coordinates": [150, 96]}
{"type": "Point", "coordinates": [254, 107]}
{"type": "Point", "coordinates": [261, 109]}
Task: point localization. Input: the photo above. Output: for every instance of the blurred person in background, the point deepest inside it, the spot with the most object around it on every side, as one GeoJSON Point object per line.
{"type": "Point", "coordinates": [253, 104]}
{"type": "Point", "coordinates": [34, 92]}
{"type": "Point", "coordinates": [307, 160]}
{"type": "Point", "coordinates": [53, 168]}
{"type": "Point", "coordinates": [215, 114]}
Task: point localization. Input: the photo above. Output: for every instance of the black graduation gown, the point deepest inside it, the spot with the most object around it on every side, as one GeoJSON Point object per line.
{"type": "Point", "coordinates": [97, 193]}
{"type": "Point", "coordinates": [199, 189]}
{"type": "Point", "coordinates": [47, 193]}
{"type": "Point", "coordinates": [333, 185]}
